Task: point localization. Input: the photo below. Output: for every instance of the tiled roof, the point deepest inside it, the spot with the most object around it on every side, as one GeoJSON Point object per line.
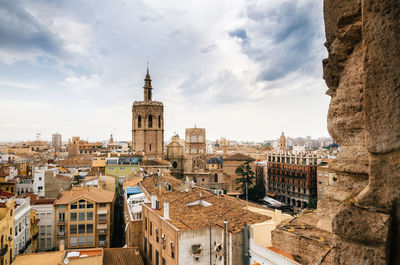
{"type": "Point", "coordinates": [90, 193]}
{"type": "Point", "coordinates": [186, 217]}
{"type": "Point", "coordinates": [122, 256]}
{"type": "Point", "coordinates": [151, 162]}
{"type": "Point", "coordinates": [42, 258]}
{"type": "Point", "coordinates": [238, 157]}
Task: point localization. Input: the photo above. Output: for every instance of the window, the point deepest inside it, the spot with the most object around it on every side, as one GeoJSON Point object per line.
{"type": "Point", "coordinates": [172, 249]}
{"type": "Point", "coordinates": [102, 205]}
{"type": "Point", "coordinates": [72, 229]}
{"type": "Point", "coordinates": [89, 216]}
{"type": "Point", "coordinates": [48, 242]}
{"type": "Point", "coordinates": [139, 122]}
{"type": "Point", "coordinates": [145, 223]}
{"type": "Point", "coordinates": [157, 239]}
{"type": "Point", "coordinates": [72, 241]}
{"type": "Point", "coordinates": [150, 251]}
{"type": "Point", "coordinates": [157, 257]}
{"type": "Point", "coordinates": [162, 261]}
{"type": "Point", "coordinates": [150, 121]}
{"type": "Point", "coordinates": [48, 228]}
{"type": "Point", "coordinates": [81, 240]}
{"type": "Point", "coordinates": [149, 147]}
{"type": "Point", "coordinates": [89, 228]}
{"type": "Point", "coordinates": [151, 228]}
{"type": "Point", "coordinates": [40, 188]}
{"type": "Point", "coordinates": [82, 204]}
{"type": "Point", "coordinates": [40, 178]}
{"type": "Point", "coordinates": [61, 217]}
{"type": "Point", "coordinates": [174, 164]}
{"type": "Point", "coordinates": [42, 230]}
{"type": "Point", "coordinates": [81, 229]}
{"type": "Point", "coordinates": [42, 243]}
{"type": "Point", "coordinates": [72, 217]}
{"type": "Point", "coordinates": [159, 122]}
{"type": "Point", "coordinates": [145, 246]}
{"type": "Point", "coordinates": [89, 240]}
{"type": "Point", "coordinates": [82, 216]}
{"type": "Point", "coordinates": [102, 237]}
{"type": "Point", "coordinates": [61, 229]}
{"type": "Point", "coordinates": [73, 206]}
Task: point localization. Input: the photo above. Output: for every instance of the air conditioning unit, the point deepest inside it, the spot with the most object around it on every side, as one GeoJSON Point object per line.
{"type": "Point", "coordinates": [219, 250]}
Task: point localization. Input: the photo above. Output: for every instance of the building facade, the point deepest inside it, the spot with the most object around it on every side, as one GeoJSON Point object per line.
{"type": "Point", "coordinates": [22, 241]}
{"type": "Point", "coordinates": [84, 217]}
{"type": "Point", "coordinates": [325, 177]}
{"type": "Point", "coordinates": [45, 214]}
{"type": "Point", "coordinates": [195, 140]}
{"type": "Point", "coordinates": [6, 230]}
{"type": "Point", "coordinates": [56, 141]}
{"type": "Point", "coordinates": [148, 123]}
{"type": "Point", "coordinates": [292, 177]}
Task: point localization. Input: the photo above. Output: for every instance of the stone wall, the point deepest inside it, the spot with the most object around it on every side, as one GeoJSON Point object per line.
{"type": "Point", "coordinates": [363, 79]}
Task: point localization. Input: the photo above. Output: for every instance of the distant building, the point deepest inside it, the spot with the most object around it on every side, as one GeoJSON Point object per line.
{"type": "Point", "coordinates": [292, 177]}
{"type": "Point", "coordinates": [175, 155]}
{"type": "Point", "coordinates": [78, 147]}
{"type": "Point", "coordinates": [56, 141]}
{"type": "Point", "coordinates": [148, 123]}
{"type": "Point", "coordinates": [22, 241]}
{"type": "Point", "coordinates": [195, 140]}
{"type": "Point", "coordinates": [84, 217]}
{"type": "Point", "coordinates": [325, 177]}
{"type": "Point", "coordinates": [282, 142]}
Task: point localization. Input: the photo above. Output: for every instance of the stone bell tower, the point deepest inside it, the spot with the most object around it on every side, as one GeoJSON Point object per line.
{"type": "Point", "coordinates": [148, 123]}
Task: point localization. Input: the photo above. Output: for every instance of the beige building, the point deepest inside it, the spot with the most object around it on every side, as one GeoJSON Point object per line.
{"type": "Point", "coordinates": [175, 155]}
{"type": "Point", "coordinates": [195, 140]}
{"type": "Point", "coordinates": [148, 123]}
{"type": "Point", "coordinates": [84, 217]}
{"type": "Point", "coordinates": [325, 178]}
{"type": "Point", "coordinates": [6, 231]}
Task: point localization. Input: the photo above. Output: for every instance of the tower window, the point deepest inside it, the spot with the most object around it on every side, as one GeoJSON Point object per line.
{"type": "Point", "coordinates": [174, 165]}
{"type": "Point", "coordinates": [150, 121]}
{"type": "Point", "coordinates": [149, 95]}
{"type": "Point", "coordinates": [139, 121]}
{"type": "Point", "coordinates": [159, 122]}
{"type": "Point", "coordinates": [149, 147]}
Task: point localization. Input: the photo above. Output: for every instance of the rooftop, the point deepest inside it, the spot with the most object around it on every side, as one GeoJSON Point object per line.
{"type": "Point", "coordinates": [238, 157]}
{"type": "Point", "coordinates": [90, 193]}
{"type": "Point", "coordinates": [41, 258]}
{"type": "Point", "coordinates": [194, 208]}
{"type": "Point", "coordinates": [122, 256]}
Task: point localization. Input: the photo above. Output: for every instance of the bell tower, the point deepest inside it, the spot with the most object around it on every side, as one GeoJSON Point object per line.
{"type": "Point", "coordinates": [148, 123]}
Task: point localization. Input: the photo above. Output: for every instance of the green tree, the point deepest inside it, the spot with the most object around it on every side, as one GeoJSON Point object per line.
{"type": "Point", "coordinates": [246, 176]}
{"type": "Point", "coordinates": [257, 192]}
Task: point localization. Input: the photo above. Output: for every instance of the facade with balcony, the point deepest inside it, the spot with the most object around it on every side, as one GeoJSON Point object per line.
{"type": "Point", "coordinates": [6, 230]}
{"type": "Point", "coordinates": [84, 217]}
{"type": "Point", "coordinates": [22, 238]}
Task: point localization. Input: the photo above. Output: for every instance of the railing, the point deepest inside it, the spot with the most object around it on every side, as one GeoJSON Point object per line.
{"type": "Point", "coordinates": [4, 250]}
{"type": "Point", "coordinates": [102, 243]}
{"type": "Point", "coordinates": [61, 233]}
{"type": "Point", "coordinates": [61, 221]}
{"type": "Point", "coordinates": [102, 220]}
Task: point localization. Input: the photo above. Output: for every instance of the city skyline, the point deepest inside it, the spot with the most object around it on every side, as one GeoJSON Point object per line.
{"type": "Point", "coordinates": [247, 72]}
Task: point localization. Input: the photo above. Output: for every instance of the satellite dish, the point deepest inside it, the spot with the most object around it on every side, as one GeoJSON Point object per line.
{"type": "Point", "coordinates": [66, 261]}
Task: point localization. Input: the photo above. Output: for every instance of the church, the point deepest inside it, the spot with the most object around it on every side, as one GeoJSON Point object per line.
{"type": "Point", "coordinates": [148, 123]}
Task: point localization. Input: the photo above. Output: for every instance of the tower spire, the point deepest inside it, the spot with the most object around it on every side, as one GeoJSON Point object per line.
{"type": "Point", "coordinates": [147, 86]}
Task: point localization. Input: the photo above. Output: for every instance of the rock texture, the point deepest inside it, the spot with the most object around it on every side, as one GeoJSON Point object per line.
{"type": "Point", "coordinates": [362, 72]}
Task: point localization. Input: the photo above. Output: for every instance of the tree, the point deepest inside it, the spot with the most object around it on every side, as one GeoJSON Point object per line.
{"type": "Point", "coordinates": [246, 176]}
{"type": "Point", "coordinates": [257, 192]}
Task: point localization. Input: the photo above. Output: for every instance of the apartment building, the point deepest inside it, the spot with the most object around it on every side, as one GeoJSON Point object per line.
{"type": "Point", "coordinates": [195, 140]}
{"type": "Point", "coordinates": [34, 232]}
{"type": "Point", "coordinates": [22, 235]}
{"type": "Point", "coordinates": [6, 230]}
{"type": "Point", "coordinates": [292, 177]}
{"type": "Point", "coordinates": [184, 224]}
{"type": "Point", "coordinates": [325, 177]}
{"type": "Point", "coordinates": [45, 214]}
{"type": "Point", "coordinates": [84, 217]}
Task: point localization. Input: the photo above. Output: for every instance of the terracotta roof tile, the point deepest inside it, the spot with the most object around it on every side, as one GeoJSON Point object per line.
{"type": "Point", "coordinates": [90, 193]}
{"type": "Point", "coordinates": [238, 157]}
{"type": "Point", "coordinates": [122, 256]}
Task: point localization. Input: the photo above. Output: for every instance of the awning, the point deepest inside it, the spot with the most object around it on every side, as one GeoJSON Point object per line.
{"type": "Point", "coordinates": [102, 211]}
{"type": "Point", "coordinates": [102, 226]}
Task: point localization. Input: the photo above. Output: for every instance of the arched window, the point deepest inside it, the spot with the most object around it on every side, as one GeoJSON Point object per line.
{"type": "Point", "coordinates": [150, 121]}
{"type": "Point", "coordinates": [139, 121]}
{"type": "Point", "coordinates": [159, 122]}
{"type": "Point", "coordinates": [216, 177]}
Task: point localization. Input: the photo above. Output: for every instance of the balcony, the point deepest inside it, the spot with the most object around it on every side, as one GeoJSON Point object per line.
{"type": "Point", "coordinates": [61, 221]}
{"type": "Point", "coordinates": [102, 243]}
{"type": "Point", "coordinates": [102, 231]}
{"type": "Point", "coordinates": [4, 250]}
{"type": "Point", "coordinates": [61, 233]}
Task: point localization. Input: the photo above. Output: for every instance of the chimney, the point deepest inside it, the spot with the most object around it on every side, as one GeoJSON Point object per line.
{"type": "Point", "coordinates": [153, 201]}
{"type": "Point", "coordinates": [61, 245]}
{"type": "Point", "coordinates": [166, 209]}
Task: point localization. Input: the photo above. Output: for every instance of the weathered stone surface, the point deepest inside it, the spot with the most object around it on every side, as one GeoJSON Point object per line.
{"type": "Point", "coordinates": [357, 224]}
{"type": "Point", "coordinates": [347, 253]}
{"type": "Point", "coordinates": [381, 40]}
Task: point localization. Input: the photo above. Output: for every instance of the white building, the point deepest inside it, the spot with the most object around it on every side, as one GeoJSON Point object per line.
{"type": "Point", "coordinates": [45, 212]}
{"type": "Point", "coordinates": [22, 242]}
{"type": "Point", "coordinates": [38, 180]}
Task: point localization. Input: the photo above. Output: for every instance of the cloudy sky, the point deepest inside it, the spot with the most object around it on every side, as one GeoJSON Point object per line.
{"type": "Point", "coordinates": [243, 69]}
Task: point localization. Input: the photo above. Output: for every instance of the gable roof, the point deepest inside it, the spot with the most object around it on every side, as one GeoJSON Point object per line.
{"type": "Point", "coordinates": [122, 256]}
{"type": "Point", "coordinates": [94, 194]}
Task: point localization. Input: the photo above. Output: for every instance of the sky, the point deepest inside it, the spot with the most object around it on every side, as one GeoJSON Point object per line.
{"type": "Point", "coordinates": [242, 69]}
